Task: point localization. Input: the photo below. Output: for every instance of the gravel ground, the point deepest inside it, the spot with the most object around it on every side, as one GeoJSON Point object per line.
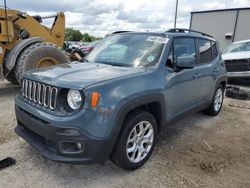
{"type": "Point", "coordinates": [198, 151]}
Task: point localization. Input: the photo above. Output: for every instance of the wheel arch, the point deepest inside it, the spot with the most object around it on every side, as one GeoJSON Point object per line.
{"type": "Point", "coordinates": [153, 103]}
{"type": "Point", "coordinates": [223, 81]}
{"type": "Point", "coordinates": [17, 49]}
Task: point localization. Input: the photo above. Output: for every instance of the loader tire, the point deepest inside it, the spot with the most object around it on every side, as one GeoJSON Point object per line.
{"type": "Point", "coordinates": [11, 78]}
{"type": "Point", "coordinates": [38, 55]}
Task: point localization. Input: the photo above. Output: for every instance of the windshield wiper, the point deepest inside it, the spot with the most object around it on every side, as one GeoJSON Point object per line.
{"type": "Point", "coordinates": [117, 64]}
{"type": "Point", "coordinates": [113, 64]}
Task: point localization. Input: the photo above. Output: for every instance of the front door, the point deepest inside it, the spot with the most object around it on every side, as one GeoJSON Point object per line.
{"type": "Point", "coordinates": [182, 85]}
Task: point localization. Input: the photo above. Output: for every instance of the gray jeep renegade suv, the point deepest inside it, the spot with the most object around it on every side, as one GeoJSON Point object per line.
{"type": "Point", "coordinates": [115, 103]}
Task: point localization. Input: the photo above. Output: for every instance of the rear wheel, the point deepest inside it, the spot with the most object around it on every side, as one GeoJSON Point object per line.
{"type": "Point", "coordinates": [38, 55]}
{"type": "Point", "coordinates": [217, 101]}
{"type": "Point", "coordinates": [136, 142]}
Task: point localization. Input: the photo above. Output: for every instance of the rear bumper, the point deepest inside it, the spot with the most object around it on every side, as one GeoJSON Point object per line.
{"type": "Point", "coordinates": [48, 139]}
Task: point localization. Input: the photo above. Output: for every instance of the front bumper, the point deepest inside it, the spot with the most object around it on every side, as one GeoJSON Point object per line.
{"type": "Point", "coordinates": [239, 74]}
{"type": "Point", "coordinates": [239, 78]}
{"type": "Point", "coordinates": [48, 138]}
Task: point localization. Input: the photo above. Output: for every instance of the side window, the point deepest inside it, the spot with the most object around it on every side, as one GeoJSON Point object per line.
{"type": "Point", "coordinates": [247, 46]}
{"type": "Point", "coordinates": [184, 48]}
{"type": "Point", "coordinates": [214, 49]}
{"type": "Point", "coordinates": [205, 50]}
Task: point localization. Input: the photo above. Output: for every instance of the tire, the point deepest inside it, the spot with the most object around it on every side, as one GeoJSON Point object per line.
{"type": "Point", "coordinates": [216, 105]}
{"type": "Point", "coordinates": [238, 93]}
{"type": "Point", "coordinates": [130, 160]}
{"type": "Point", "coordinates": [11, 78]}
{"type": "Point", "coordinates": [37, 55]}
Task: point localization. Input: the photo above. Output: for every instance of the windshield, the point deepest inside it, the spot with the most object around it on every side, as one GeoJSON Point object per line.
{"type": "Point", "coordinates": [93, 43]}
{"type": "Point", "coordinates": [238, 47]}
{"type": "Point", "coordinates": [129, 50]}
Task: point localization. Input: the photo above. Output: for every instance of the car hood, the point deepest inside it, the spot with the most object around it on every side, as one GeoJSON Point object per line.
{"type": "Point", "coordinates": [236, 55]}
{"type": "Point", "coordinates": [80, 75]}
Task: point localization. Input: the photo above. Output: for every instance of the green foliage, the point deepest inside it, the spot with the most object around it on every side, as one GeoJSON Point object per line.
{"type": "Point", "coordinates": [72, 34]}
{"type": "Point", "coordinates": [75, 35]}
{"type": "Point", "coordinates": [89, 38]}
{"type": "Point", "coordinates": [86, 37]}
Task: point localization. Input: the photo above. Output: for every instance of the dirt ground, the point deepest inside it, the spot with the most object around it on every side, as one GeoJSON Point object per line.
{"type": "Point", "coordinates": [198, 151]}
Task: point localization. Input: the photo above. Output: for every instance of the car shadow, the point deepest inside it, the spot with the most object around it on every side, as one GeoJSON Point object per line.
{"type": "Point", "coordinates": [89, 173]}
{"type": "Point", "coordinates": [178, 128]}
{"type": "Point", "coordinates": [9, 91]}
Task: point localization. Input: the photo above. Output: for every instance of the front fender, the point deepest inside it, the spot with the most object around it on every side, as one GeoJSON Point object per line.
{"type": "Point", "coordinates": [123, 109]}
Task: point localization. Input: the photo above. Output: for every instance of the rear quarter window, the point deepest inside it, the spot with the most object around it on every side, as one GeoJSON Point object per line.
{"type": "Point", "coordinates": [205, 51]}
{"type": "Point", "coordinates": [214, 49]}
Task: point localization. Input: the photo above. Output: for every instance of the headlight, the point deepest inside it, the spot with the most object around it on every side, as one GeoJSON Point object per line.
{"type": "Point", "coordinates": [74, 99]}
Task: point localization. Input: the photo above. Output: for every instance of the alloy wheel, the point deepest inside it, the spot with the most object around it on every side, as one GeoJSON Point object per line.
{"type": "Point", "coordinates": [140, 141]}
{"type": "Point", "coordinates": [218, 99]}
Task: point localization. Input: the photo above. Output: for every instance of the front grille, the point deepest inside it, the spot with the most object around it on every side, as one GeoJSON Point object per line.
{"type": "Point", "coordinates": [239, 65]}
{"type": "Point", "coordinates": [41, 94]}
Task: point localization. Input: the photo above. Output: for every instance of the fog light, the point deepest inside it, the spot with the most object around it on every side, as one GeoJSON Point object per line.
{"type": "Point", "coordinates": [79, 146]}
{"type": "Point", "coordinates": [71, 147]}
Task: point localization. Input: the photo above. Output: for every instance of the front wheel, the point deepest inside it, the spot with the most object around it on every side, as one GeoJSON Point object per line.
{"type": "Point", "coordinates": [136, 142]}
{"type": "Point", "coordinates": [216, 105]}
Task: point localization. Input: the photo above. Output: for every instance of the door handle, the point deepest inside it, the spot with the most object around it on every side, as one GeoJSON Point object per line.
{"type": "Point", "coordinates": [196, 75]}
{"type": "Point", "coordinates": [216, 70]}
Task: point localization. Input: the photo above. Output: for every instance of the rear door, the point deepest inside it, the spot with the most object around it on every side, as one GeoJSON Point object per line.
{"type": "Point", "coordinates": [182, 86]}
{"type": "Point", "coordinates": [207, 67]}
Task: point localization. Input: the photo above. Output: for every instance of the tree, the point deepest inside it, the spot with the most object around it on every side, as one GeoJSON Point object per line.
{"type": "Point", "coordinates": [89, 38]}
{"type": "Point", "coordinates": [86, 37]}
{"type": "Point", "coordinates": [73, 35]}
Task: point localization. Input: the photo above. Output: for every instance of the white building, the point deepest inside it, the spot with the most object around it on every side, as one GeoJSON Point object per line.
{"type": "Point", "coordinates": [225, 25]}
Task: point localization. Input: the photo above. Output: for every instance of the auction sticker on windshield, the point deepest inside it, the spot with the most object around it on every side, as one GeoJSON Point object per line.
{"type": "Point", "coordinates": [158, 39]}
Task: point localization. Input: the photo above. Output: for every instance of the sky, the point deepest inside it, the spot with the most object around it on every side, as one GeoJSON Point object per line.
{"type": "Point", "coordinates": [100, 17]}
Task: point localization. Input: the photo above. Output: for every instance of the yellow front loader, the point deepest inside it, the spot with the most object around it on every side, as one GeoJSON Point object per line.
{"type": "Point", "coordinates": [26, 44]}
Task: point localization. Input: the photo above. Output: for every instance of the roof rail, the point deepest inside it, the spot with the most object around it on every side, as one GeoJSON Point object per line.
{"type": "Point", "coordinates": [181, 30]}
{"type": "Point", "coordinates": [117, 32]}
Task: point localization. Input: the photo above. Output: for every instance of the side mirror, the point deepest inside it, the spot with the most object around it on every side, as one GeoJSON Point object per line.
{"type": "Point", "coordinates": [185, 62]}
